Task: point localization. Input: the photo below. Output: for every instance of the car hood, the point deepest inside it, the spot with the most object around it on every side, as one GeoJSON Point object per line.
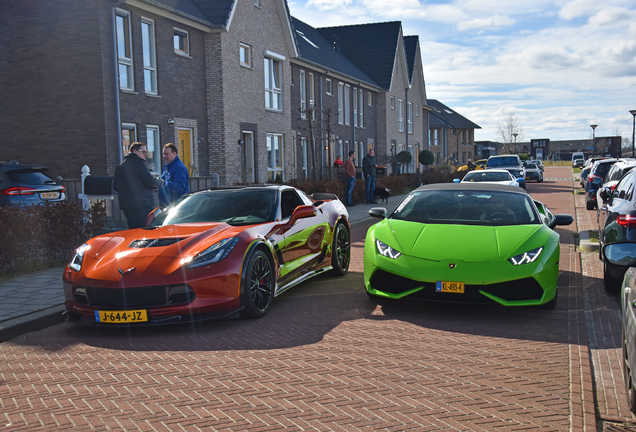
{"type": "Point", "coordinates": [469, 243]}
{"type": "Point", "coordinates": [161, 249]}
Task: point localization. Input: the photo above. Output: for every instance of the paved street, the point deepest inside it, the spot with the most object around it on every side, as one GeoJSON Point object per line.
{"type": "Point", "coordinates": [328, 357]}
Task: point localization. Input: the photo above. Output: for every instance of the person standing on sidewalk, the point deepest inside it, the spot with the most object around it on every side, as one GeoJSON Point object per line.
{"type": "Point", "coordinates": [350, 173]}
{"type": "Point", "coordinates": [175, 176]}
{"type": "Point", "coordinates": [136, 186]}
{"type": "Point", "coordinates": [369, 169]}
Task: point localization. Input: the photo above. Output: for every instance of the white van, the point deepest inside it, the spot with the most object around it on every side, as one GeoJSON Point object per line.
{"type": "Point", "coordinates": [577, 155]}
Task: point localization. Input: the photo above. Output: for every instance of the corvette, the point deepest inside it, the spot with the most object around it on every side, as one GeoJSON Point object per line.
{"type": "Point", "coordinates": [208, 255]}
{"type": "Point", "coordinates": [465, 242]}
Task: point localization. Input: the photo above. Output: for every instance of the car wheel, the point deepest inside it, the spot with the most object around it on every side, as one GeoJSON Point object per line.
{"type": "Point", "coordinates": [589, 205]}
{"type": "Point", "coordinates": [258, 286]}
{"type": "Point", "coordinates": [341, 250]}
{"type": "Point", "coordinates": [552, 303]}
{"type": "Point", "coordinates": [627, 375]}
{"type": "Point", "coordinates": [611, 284]}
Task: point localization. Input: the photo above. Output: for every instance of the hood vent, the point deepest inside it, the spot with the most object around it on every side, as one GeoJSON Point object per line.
{"type": "Point", "coordinates": [146, 243]}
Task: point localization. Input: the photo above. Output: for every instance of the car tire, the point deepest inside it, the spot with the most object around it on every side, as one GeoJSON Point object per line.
{"type": "Point", "coordinates": [258, 285]}
{"type": "Point", "coordinates": [590, 205]}
{"type": "Point", "coordinates": [629, 383]}
{"type": "Point", "coordinates": [341, 250]}
{"type": "Point", "coordinates": [611, 284]}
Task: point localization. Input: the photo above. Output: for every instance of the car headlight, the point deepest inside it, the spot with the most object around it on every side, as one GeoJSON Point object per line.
{"type": "Point", "coordinates": [75, 263]}
{"type": "Point", "coordinates": [214, 253]}
{"type": "Point", "coordinates": [526, 257]}
{"type": "Point", "coordinates": [386, 250]}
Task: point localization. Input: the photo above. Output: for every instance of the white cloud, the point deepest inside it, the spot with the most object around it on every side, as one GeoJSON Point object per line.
{"type": "Point", "coordinates": [577, 9]}
{"type": "Point", "coordinates": [490, 22]}
{"type": "Point", "coordinates": [328, 4]}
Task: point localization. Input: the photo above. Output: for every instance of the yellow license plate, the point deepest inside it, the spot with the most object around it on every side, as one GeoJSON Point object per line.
{"type": "Point", "coordinates": [50, 195]}
{"type": "Point", "coordinates": [119, 317]}
{"type": "Point", "coordinates": [452, 287]}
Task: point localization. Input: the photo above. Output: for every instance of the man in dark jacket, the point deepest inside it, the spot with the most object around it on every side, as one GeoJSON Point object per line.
{"type": "Point", "coordinates": [175, 176]}
{"type": "Point", "coordinates": [368, 169]}
{"type": "Point", "coordinates": [136, 186]}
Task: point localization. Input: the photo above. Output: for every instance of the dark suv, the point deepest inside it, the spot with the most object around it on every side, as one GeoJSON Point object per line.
{"type": "Point", "coordinates": [24, 185]}
{"type": "Point", "coordinates": [594, 181]}
{"type": "Point", "coordinates": [511, 163]}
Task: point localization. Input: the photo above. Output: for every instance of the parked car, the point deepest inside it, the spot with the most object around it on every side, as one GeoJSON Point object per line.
{"type": "Point", "coordinates": [586, 167]}
{"type": "Point", "coordinates": [509, 253]}
{"type": "Point", "coordinates": [491, 176]}
{"type": "Point", "coordinates": [614, 175]}
{"type": "Point", "coordinates": [25, 185]}
{"type": "Point", "coordinates": [479, 165]}
{"type": "Point", "coordinates": [576, 157]}
{"type": "Point", "coordinates": [511, 163]}
{"type": "Point", "coordinates": [533, 173]}
{"type": "Point", "coordinates": [595, 179]}
{"type": "Point", "coordinates": [210, 254]}
{"type": "Point", "coordinates": [624, 255]}
{"type": "Point", "coordinates": [539, 164]}
{"type": "Point", "coordinates": [617, 224]}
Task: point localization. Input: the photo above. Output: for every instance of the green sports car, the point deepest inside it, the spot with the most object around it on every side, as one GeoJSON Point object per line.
{"type": "Point", "coordinates": [465, 243]}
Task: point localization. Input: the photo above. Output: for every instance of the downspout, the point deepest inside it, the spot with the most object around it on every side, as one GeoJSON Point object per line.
{"type": "Point", "coordinates": [406, 101]}
{"type": "Point", "coordinates": [322, 132]}
{"type": "Point", "coordinates": [116, 58]}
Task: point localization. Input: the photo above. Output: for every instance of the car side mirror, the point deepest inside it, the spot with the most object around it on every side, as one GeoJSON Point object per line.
{"type": "Point", "coordinates": [378, 212]}
{"type": "Point", "coordinates": [605, 194]}
{"type": "Point", "coordinates": [456, 180]}
{"type": "Point", "coordinates": [302, 212]}
{"type": "Point", "coordinates": [620, 254]}
{"type": "Point", "coordinates": [561, 219]}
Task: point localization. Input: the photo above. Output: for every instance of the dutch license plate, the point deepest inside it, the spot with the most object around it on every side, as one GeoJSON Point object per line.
{"type": "Point", "coordinates": [119, 317]}
{"type": "Point", "coordinates": [50, 195]}
{"type": "Point", "coordinates": [453, 287]}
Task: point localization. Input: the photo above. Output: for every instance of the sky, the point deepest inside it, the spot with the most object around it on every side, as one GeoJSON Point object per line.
{"type": "Point", "coordinates": [556, 66]}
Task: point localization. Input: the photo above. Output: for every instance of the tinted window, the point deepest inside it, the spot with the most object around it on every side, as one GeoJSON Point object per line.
{"type": "Point", "coordinates": [602, 169]}
{"type": "Point", "coordinates": [503, 161]}
{"type": "Point", "coordinates": [624, 189]}
{"type": "Point", "coordinates": [488, 208]}
{"type": "Point", "coordinates": [29, 177]}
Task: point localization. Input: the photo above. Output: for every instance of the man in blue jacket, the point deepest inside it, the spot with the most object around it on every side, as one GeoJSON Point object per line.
{"type": "Point", "coordinates": [176, 180]}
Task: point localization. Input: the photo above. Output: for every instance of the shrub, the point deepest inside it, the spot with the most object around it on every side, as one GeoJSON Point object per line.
{"type": "Point", "coordinates": [43, 236]}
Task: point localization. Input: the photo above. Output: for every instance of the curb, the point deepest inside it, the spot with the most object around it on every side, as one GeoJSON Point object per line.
{"type": "Point", "coordinates": [585, 244]}
{"type": "Point", "coordinates": [35, 321]}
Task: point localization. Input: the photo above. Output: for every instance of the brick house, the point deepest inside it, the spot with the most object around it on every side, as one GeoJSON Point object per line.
{"type": "Point", "coordinates": [452, 136]}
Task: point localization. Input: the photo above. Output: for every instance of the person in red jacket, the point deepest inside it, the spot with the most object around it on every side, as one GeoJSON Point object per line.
{"type": "Point", "coordinates": [350, 172]}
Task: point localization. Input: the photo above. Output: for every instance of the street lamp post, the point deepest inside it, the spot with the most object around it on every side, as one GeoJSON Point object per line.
{"type": "Point", "coordinates": [633, 112]}
{"type": "Point", "coordinates": [515, 135]}
{"type": "Point", "coordinates": [593, 139]}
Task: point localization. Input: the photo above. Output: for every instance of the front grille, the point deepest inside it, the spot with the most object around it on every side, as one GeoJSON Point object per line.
{"type": "Point", "coordinates": [521, 289]}
{"type": "Point", "coordinates": [128, 298]}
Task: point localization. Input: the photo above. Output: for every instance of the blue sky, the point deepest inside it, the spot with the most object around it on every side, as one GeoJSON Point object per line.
{"type": "Point", "coordinates": [557, 66]}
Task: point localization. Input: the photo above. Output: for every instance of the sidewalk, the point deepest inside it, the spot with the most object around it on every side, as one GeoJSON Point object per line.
{"type": "Point", "coordinates": [35, 301]}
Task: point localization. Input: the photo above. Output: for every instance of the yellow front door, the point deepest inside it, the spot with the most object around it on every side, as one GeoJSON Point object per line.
{"type": "Point", "coordinates": [185, 148]}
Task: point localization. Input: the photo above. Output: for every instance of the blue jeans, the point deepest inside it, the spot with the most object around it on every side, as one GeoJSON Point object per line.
{"type": "Point", "coordinates": [369, 183]}
{"type": "Point", "coordinates": [351, 182]}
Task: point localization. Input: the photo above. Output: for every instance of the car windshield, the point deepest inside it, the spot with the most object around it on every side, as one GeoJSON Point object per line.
{"type": "Point", "coordinates": [603, 168]}
{"type": "Point", "coordinates": [29, 177]}
{"type": "Point", "coordinates": [532, 166]}
{"type": "Point", "coordinates": [502, 161]}
{"type": "Point", "coordinates": [234, 207]}
{"type": "Point", "coordinates": [487, 176]}
{"type": "Point", "coordinates": [467, 207]}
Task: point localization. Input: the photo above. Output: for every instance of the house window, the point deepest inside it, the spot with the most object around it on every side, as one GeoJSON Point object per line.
{"type": "Point", "coordinates": [274, 156]}
{"type": "Point", "coordinates": [341, 103]}
{"type": "Point", "coordinates": [124, 51]}
{"type": "Point", "coordinates": [150, 55]}
{"type": "Point", "coordinates": [409, 117]}
{"type": "Point", "coordinates": [257, 3]}
{"type": "Point", "coordinates": [355, 107]}
{"type": "Point", "coordinates": [245, 52]}
{"type": "Point", "coordinates": [361, 109]}
{"type": "Point", "coordinates": [369, 99]}
{"type": "Point", "coordinates": [181, 42]}
{"type": "Point", "coordinates": [392, 103]}
{"type": "Point", "coordinates": [436, 137]}
{"type": "Point", "coordinates": [417, 110]}
{"type": "Point", "coordinates": [312, 94]}
{"type": "Point", "coordinates": [128, 136]}
{"type": "Point", "coordinates": [360, 154]}
{"type": "Point", "coordinates": [303, 150]}
{"type": "Point", "coordinates": [347, 107]}
{"type": "Point", "coordinates": [328, 88]}
{"type": "Point", "coordinates": [273, 90]}
{"type": "Point", "coordinates": [303, 95]}
{"type": "Point", "coordinates": [154, 149]}
{"type": "Point", "coordinates": [400, 115]}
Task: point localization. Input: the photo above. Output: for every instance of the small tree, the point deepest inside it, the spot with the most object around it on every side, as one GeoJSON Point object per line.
{"type": "Point", "coordinates": [510, 132]}
{"type": "Point", "coordinates": [403, 158]}
{"type": "Point", "coordinates": [426, 158]}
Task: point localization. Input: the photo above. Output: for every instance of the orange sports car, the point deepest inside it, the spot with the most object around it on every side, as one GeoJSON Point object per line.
{"type": "Point", "coordinates": [210, 254]}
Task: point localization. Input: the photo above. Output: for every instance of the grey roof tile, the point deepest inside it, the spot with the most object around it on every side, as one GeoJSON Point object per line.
{"type": "Point", "coordinates": [444, 116]}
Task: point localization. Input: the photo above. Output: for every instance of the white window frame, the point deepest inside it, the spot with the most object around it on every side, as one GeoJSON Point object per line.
{"type": "Point", "coordinates": [312, 94]}
{"type": "Point", "coordinates": [275, 167]}
{"type": "Point", "coordinates": [409, 117]}
{"type": "Point", "coordinates": [360, 153]}
{"type": "Point", "coordinates": [181, 35]}
{"type": "Point", "coordinates": [361, 109]}
{"type": "Point", "coordinates": [257, 3]}
{"type": "Point", "coordinates": [303, 150]}
{"type": "Point", "coordinates": [155, 152]}
{"type": "Point", "coordinates": [273, 84]}
{"type": "Point", "coordinates": [149, 50]}
{"type": "Point", "coordinates": [245, 60]}
{"type": "Point", "coordinates": [328, 87]}
{"type": "Point", "coordinates": [417, 110]}
{"type": "Point", "coordinates": [400, 115]}
{"type": "Point", "coordinates": [127, 126]}
{"type": "Point", "coordinates": [340, 103]}
{"type": "Point", "coordinates": [392, 102]}
{"type": "Point", "coordinates": [302, 83]}
{"type": "Point", "coordinates": [124, 50]}
{"type": "Point", "coordinates": [347, 105]}
{"type": "Point", "coordinates": [369, 98]}
{"type": "Point", "coordinates": [355, 107]}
